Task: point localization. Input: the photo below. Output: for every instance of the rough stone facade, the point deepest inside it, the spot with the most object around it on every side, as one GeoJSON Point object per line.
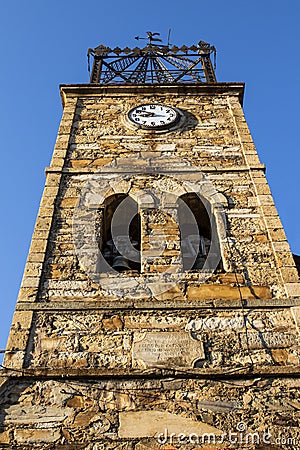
{"type": "Point", "coordinates": [98, 360]}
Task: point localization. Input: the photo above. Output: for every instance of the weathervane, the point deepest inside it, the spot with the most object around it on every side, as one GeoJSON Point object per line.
{"type": "Point", "coordinates": [154, 64]}
{"type": "Point", "coordinates": [150, 37]}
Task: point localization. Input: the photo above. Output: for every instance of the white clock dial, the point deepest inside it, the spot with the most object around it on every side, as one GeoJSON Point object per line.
{"type": "Point", "coordinates": [153, 116]}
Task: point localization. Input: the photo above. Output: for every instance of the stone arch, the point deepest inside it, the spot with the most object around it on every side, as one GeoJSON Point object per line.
{"type": "Point", "coordinates": [216, 205]}
{"type": "Point", "coordinates": [121, 239]}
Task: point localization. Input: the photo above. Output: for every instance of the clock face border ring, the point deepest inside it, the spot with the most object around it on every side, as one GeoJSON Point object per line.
{"type": "Point", "coordinates": [155, 128]}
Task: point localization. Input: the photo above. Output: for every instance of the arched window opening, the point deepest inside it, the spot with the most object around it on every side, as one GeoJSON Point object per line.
{"type": "Point", "coordinates": [197, 227]}
{"type": "Point", "coordinates": [121, 237]}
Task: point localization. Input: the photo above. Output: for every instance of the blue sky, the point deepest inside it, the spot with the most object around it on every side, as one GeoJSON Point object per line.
{"type": "Point", "coordinates": [44, 43]}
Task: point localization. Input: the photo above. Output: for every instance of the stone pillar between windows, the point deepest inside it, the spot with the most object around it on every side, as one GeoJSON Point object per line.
{"type": "Point", "coordinates": [160, 246]}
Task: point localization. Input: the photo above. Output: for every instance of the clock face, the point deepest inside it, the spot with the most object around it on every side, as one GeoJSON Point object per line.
{"type": "Point", "coordinates": [153, 116]}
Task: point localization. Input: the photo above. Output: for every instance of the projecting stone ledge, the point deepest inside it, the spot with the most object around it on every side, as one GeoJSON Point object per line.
{"type": "Point", "coordinates": [88, 373]}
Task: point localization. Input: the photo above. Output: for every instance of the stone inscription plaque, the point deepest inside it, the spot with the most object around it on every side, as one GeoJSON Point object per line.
{"type": "Point", "coordinates": [166, 349]}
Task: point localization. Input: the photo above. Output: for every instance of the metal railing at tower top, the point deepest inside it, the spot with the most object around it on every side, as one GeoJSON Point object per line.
{"type": "Point", "coordinates": [153, 64]}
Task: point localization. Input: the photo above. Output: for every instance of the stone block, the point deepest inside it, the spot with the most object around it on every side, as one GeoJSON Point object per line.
{"type": "Point", "coordinates": [84, 418]}
{"type": "Point", "coordinates": [27, 294]}
{"type": "Point", "coordinates": [63, 139]}
{"type": "Point", "coordinates": [273, 222]}
{"type": "Point", "coordinates": [227, 292]}
{"type": "Point", "coordinates": [68, 202]}
{"type": "Point", "coordinates": [30, 282]}
{"type": "Point", "coordinates": [166, 147]}
{"type": "Point", "coordinates": [102, 161]}
{"type": "Point", "coordinates": [293, 289]}
{"type": "Point", "coordinates": [157, 423]}
{"type": "Point", "coordinates": [52, 179]}
{"type": "Point", "coordinates": [50, 191]}
{"type": "Point", "coordinates": [289, 274]}
{"type": "Point", "coordinates": [260, 238]}
{"type": "Point", "coordinates": [296, 316]}
{"type": "Point", "coordinates": [51, 344]}
{"type": "Point", "coordinates": [46, 202]}
{"type": "Point", "coordinates": [43, 223]}
{"type": "Point", "coordinates": [154, 322]}
{"type": "Point", "coordinates": [269, 210]}
{"type": "Point", "coordinates": [113, 323]}
{"type": "Point", "coordinates": [33, 269]}
{"type": "Point", "coordinates": [281, 246]}
{"type": "Point", "coordinates": [216, 323]}
{"type": "Point", "coordinates": [22, 319]}
{"type": "Point", "coordinates": [60, 153]}
{"type": "Point", "coordinates": [285, 259]}
{"type": "Point", "coordinates": [14, 360]}
{"type": "Point", "coordinates": [80, 163]}
{"type": "Point", "coordinates": [46, 212]}
{"type": "Point", "coordinates": [161, 292]}
{"type": "Point", "coordinates": [17, 340]}
{"type": "Point", "coordinates": [133, 163]}
{"type": "Point", "coordinates": [230, 277]}
{"type": "Point", "coordinates": [253, 201]}
{"type": "Point", "coordinates": [265, 200]}
{"type": "Point", "coordinates": [263, 188]}
{"type": "Point", "coordinates": [280, 356]}
{"type": "Point", "coordinates": [163, 268]}
{"type": "Point", "coordinates": [39, 414]}
{"type": "Point", "coordinates": [5, 437]}
{"type": "Point", "coordinates": [57, 162]}
{"type": "Point", "coordinates": [277, 234]}
{"type": "Point", "coordinates": [251, 159]}
{"type": "Point", "coordinates": [36, 436]}
{"type": "Point", "coordinates": [78, 401]}
{"type": "Point", "coordinates": [65, 127]}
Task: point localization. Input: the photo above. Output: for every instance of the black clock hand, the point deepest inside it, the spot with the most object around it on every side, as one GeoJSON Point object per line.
{"type": "Point", "coordinates": [147, 114]}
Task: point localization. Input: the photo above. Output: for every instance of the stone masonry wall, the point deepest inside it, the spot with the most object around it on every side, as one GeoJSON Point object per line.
{"type": "Point", "coordinates": [123, 414]}
{"type": "Point", "coordinates": [213, 139]}
{"type": "Point", "coordinates": [103, 361]}
{"type": "Point", "coordinates": [111, 340]}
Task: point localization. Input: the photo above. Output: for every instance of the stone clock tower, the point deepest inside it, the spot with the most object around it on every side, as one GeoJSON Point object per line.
{"type": "Point", "coordinates": [159, 307]}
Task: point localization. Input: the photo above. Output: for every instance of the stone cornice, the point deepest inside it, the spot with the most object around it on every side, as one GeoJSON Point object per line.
{"type": "Point", "coordinates": [59, 304]}
{"type": "Point", "coordinates": [225, 372]}
{"type": "Point", "coordinates": [87, 90]}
